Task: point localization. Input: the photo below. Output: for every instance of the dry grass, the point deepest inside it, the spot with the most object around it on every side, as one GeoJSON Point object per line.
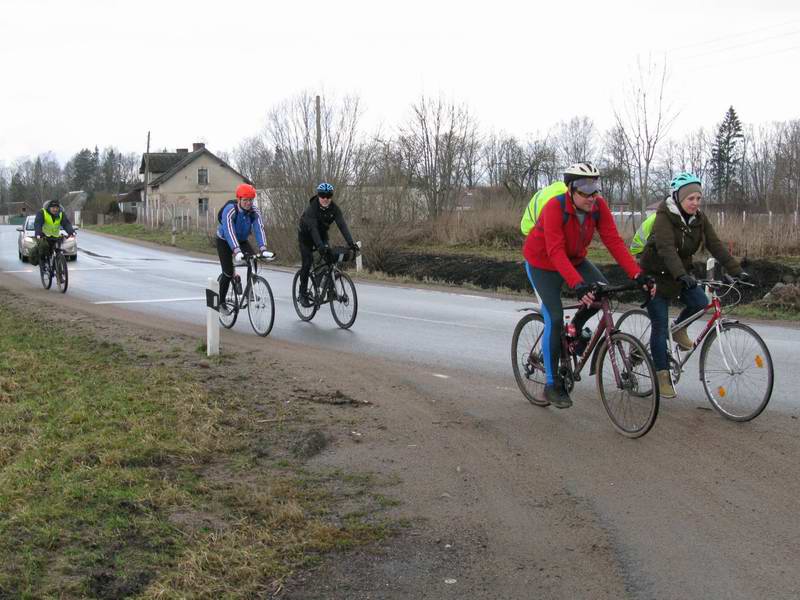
{"type": "Point", "coordinates": [757, 239]}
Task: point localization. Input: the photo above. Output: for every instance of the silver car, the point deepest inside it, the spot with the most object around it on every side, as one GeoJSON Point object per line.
{"type": "Point", "coordinates": [26, 241]}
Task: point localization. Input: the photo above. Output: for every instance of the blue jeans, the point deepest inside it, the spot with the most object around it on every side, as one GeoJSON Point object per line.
{"type": "Point", "coordinates": [658, 309]}
{"type": "Point", "coordinates": [548, 285]}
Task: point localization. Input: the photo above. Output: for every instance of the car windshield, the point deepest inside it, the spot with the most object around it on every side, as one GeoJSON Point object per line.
{"type": "Point", "coordinates": [29, 224]}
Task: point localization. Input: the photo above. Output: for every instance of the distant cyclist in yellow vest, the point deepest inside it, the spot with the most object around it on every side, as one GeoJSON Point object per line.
{"type": "Point", "coordinates": [48, 225]}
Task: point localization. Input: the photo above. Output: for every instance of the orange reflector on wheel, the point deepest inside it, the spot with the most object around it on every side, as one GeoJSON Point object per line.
{"type": "Point", "coordinates": [721, 391]}
{"type": "Point", "coordinates": [759, 361]}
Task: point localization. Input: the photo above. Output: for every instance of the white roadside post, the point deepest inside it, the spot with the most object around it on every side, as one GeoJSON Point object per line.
{"type": "Point", "coordinates": [212, 317]}
{"type": "Point", "coordinates": [710, 264]}
{"type": "Point", "coordinates": [358, 258]}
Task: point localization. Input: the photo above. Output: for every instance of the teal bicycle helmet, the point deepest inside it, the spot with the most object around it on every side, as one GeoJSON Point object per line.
{"type": "Point", "coordinates": [682, 179]}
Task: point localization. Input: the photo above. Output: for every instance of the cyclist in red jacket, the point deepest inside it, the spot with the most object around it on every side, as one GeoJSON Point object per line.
{"type": "Point", "coordinates": [555, 252]}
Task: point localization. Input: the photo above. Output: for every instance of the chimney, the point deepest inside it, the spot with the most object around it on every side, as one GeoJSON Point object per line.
{"type": "Point", "coordinates": [182, 150]}
{"type": "Point", "coordinates": [198, 146]}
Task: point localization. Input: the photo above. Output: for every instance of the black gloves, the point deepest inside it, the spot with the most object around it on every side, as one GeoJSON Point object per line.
{"type": "Point", "coordinates": [581, 290]}
{"type": "Point", "coordinates": [688, 281]}
{"type": "Point", "coordinates": [743, 276]}
{"type": "Point", "coordinates": [644, 280]}
{"type": "Point", "coordinates": [355, 248]}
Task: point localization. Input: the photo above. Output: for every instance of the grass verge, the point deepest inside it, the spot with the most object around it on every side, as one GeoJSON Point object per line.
{"type": "Point", "coordinates": [122, 473]}
{"type": "Point", "coordinates": [759, 312]}
{"type": "Point", "coordinates": [193, 241]}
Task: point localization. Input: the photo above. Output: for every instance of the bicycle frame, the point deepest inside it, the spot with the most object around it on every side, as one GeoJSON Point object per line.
{"type": "Point", "coordinates": [252, 268]}
{"type": "Point", "coordinates": [603, 331]}
{"type": "Point", "coordinates": [715, 321]}
{"type": "Point", "coordinates": [326, 271]}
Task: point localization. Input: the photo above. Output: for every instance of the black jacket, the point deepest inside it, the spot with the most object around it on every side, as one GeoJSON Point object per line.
{"type": "Point", "coordinates": [38, 223]}
{"type": "Point", "coordinates": [314, 223]}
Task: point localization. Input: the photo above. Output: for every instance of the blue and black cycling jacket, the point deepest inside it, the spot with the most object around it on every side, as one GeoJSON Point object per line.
{"type": "Point", "coordinates": [236, 226]}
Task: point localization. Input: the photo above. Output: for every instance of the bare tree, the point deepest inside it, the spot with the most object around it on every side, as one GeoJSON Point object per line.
{"type": "Point", "coordinates": [644, 121]}
{"type": "Point", "coordinates": [576, 140]}
{"type": "Point", "coordinates": [435, 145]}
{"type": "Point", "coordinates": [291, 131]}
{"type": "Point", "coordinates": [253, 159]}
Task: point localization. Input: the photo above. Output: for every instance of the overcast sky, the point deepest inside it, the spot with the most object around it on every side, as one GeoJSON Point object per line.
{"type": "Point", "coordinates": [79, 73]}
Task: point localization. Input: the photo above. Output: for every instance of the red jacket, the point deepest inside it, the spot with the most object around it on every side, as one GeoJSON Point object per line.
{"type": "Point", "coordinates": [553, 245]}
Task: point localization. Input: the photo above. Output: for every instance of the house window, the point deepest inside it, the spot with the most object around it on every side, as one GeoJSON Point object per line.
{"type": "Point", "coordinates": [202, 176]}
{"type": "Point", "coordinates": [202, 206]}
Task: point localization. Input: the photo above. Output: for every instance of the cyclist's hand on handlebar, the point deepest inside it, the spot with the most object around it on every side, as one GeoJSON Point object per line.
{"type": "Point", "coordinates": [688, 281]}
{"type": "Point", "coordinates": [267, 254]}
{"type": "Point", "coordinates": [239, 257]}
{"type": "Point", "coordinates": [646, 282]}
{"type": "Point", "coordinates": [584, 293]}
{"type": "Point", "coordinates": [355, 248]}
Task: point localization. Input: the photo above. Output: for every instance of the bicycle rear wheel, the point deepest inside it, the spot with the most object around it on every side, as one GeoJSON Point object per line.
{"type": "Point", "coordinates": [62, 275]}
{"type": "Point", "coordinates": [306, 313]}
{"type": "Point", "coordinates": [527, 358]}
{"type": "Point", "coordinates": [261, 306]}
{"type": "Point", "coordinates": [632, 401]}
{"type": "Point", "coordinates": [232, 302]}
{"type": "Point", "coordinates": [45, 273]}
{"type": "Point", "coordinates": [344, 303]}
{"type": "Point", "coordinates": [736, 371]}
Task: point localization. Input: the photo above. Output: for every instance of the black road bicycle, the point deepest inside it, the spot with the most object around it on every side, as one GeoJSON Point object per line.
{"type": "Point", "coordinates": [626, 377]}
{"type": "Point", "coordinates": [256, 297]}
{"type": "Point", "coordinates": [54, 266]}
{"type": "Point", "coordinates": [329, 284]}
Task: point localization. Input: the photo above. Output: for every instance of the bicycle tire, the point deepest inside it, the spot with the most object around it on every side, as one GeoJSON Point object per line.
{"type": "Point", "coordinates": [755, 357]}
{"type": "Point", "coordinates": [344, 300]}
{"type": "Point", "coordinates": [528, 362]}
{"type": "Point", "coordinates": [62, 274]}
{"type": "Point", "coordinates": [261, 301]}
{"type": "Point", "coordinates": [636, 322]}
{"type": "Point", "coordinates": [45, 273]}
{"type": "Point", "coordinates": [306, 313]}
{"type": "Point", "coordinates": [232, 301]}
{"type": "Point", "coordinates": [633, 374]}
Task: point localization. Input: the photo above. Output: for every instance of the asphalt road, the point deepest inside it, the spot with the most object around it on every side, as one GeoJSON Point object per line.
{"type": "Point", "coordinates": [539, 499]}
{"type": "Point", "coordinates": [434, 329]}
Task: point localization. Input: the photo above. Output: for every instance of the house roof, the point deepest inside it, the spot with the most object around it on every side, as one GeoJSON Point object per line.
{"type": "Point", "coordinates": [186, 158]}
{"type": "Point", "coordinates": [161, 162]}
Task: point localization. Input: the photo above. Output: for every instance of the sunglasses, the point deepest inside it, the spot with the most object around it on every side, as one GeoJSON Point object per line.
{"type": "Point", "coordinates": [326, 195]}
{"type": "Point", "coordinates": [585, 195]}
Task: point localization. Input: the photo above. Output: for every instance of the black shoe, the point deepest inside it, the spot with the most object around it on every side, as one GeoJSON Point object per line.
{"type": "Point", "coordinates": [225, 310]}
{"type": "Point", "coordinates": [305, 300]}
{"type": "Point", "coordinates": [557, 396]}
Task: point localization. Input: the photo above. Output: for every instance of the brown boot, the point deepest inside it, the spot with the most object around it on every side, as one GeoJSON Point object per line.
{"type": "Point", "coordinates": [665, 384]}
{"type": "Point", "coordinates": [681, 338]}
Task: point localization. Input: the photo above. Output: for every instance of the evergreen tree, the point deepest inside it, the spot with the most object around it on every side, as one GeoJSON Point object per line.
{"type": "Point", "coordinates": [83, 171]}
{"type": "Point", "coordinates": [726, 158]}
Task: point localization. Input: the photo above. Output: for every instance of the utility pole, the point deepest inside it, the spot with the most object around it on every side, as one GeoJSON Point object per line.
{"type": "Point", "coordinates": [319, 142]}
{"type": "Point", "coordinates": [146, 172]}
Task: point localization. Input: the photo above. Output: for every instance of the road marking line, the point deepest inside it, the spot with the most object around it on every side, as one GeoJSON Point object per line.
{"type": "Point", "coordinates": [70, 269]}
{"type": "Point", "coordinates": [149, 301]}
{"type": "Point", "coordinates": [440, 376]}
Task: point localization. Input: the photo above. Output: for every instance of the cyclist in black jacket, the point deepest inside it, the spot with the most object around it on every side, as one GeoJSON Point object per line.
{"type": "Point", "coordinates": [312, 233]}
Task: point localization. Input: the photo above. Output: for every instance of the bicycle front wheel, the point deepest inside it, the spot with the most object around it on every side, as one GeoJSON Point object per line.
{"type": "Point", "coordinates": [45, 274]}
{"type": "Point", "coordinates": [62, 275]}
{"type": "Point", "coordinates": [344, 303]}
{"type": "Point", "coordinates": [306, 313]}
{"type": "Point", "coordinates": [261, 306]}
{"type": "Point", "coordinates": [232, 302]}
{"type": "Point", "coordinates": [629, 392]}
{"type": "Point", "coordinates": [636, 322]}
{"type": "Point", "coordinates": [527, 358]}
{"type": "Point", "coordinates": [736, 371]}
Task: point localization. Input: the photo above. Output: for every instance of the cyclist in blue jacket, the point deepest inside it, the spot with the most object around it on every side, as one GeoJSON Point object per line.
{"type": "Point", "coordinates": [237, 219]}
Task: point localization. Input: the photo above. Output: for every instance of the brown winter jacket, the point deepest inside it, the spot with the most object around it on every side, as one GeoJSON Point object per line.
{"type": "Point", "coordinates": [672, 244]}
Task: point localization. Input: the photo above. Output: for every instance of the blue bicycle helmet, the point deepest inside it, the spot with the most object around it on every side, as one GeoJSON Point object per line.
{"type": "Point", "coordinates": [682, 179]}
{"type": "Point", "coordinates": [325, 189]}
